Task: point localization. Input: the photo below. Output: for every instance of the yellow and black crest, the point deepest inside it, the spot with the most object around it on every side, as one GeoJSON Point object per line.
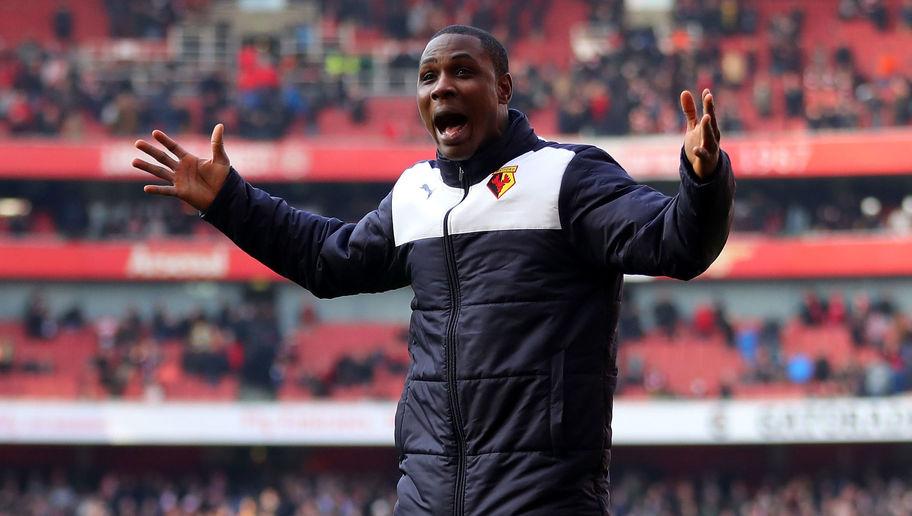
{"type": "Point", "coordinates": [502, 180]}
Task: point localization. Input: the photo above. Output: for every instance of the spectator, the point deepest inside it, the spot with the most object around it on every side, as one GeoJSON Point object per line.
{"type": "Point", "coordinates": [878, 379]}
{"type": "Point", "coordinates": [37, 319]}
{"type": "Point", "coordinates": [666, 316]}
{"type": "Point", "coordinates": [723, 323]}
{"type": "Point", "coordinates": [164, 326]}
{"type": "Point", "coordinates": [813, 309]}
{"type": "Point", "coordinates": [113, 368]}
{"type": "Point", "coordinates": [7, 354]}
{"type": "Point", "coordinates": [634, 370]}
{"type": "Point", "coordinates": [122, 114]}
{"type": "Point", "coordinates": [73, 318]}
{"type": "Point", "coordinates": [630, 327]}
{"type": "Point", "coordinates": [62, 23]}
{"type": "Point", "coordinates": [823, 371]}
{"type": "Point", "coordinates": [848, 9]}
{"type": "Point", "coordinates": [213, 93]}
{"type": "Point", "coordinates": [905, 12]}
{"type": "Point", "coordinates": [877, 13]}
{"type": "Point", "coordinates": [771, 337]}
{"type": "Point", "coordinates": [258, 333]}
{"type": "Point", "coordinates": [794, 95]}
{"type": "Point", "coordinates": [800, 369]}
{"type": "Point", "coordinates": [836, 309]}
{"type": "Point", "coordinates": [206, 353]}
{"type": "Point", "coordinates": [704, 321]}
{"type": "Point", "coordinates": [763, 97]}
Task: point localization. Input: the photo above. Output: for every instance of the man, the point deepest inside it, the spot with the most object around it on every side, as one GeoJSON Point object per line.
{"type": "Point", "coordinates": [515, 248]}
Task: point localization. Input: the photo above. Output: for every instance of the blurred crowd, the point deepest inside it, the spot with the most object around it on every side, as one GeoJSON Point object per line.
{"type": "Point", "coordinates": [874, 325]}
{"type": "Point", "coordinates": [242, 342]}
{"type": "Point", "coordinates": [57, 89]}
{"type": "Point", "coordinates": [34, 493]}
{"type": "Point", "coordinates": [821, 206]}
{"type": "Point", "coordinates": [628, 84]}
{"type": "Point", "coordinates": [804, 495]}
{"type": "Point", "coordinates": [211, 493]}
{"type": "Point", "coordinates": [73, 217]}
{"type": "Point", "coordinates": [419, 19]}
{"type": "Point", "coordinates": [122, 212]}
{"type": "Point", "coordinates": [47, 87]}
{"type": "Point", "coordinates": [57, 92]}
{"type": "Point", "coordinates": [632, 87]}
{"type": "Point", "coordinates": [869, 351]}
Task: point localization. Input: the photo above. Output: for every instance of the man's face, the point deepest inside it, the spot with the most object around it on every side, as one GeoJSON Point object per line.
{"type": "Point", "coordinates": [461, 100]}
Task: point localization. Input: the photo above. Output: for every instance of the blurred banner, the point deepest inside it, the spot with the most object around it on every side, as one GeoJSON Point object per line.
{"type": "Point", "coordinates": [371, 423]}
{"type": "Point", "coordinates": [216, 258]}
{"type": "Point", "coordinates": [650, 158]}
{"type": "Point", "coordinates": [115, 261]}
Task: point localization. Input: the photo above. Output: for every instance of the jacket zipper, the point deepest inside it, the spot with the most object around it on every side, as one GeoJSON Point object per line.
{"type": "Point", "coordinates": [450, 343]}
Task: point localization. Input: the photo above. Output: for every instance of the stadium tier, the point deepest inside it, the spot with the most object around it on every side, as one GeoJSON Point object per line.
{"type": "Point", "coordinates": [844, 348]}
{"type": "Point", "coordinates": [131, 480]}
{"type": "Point", "coordinates": [347, 71]}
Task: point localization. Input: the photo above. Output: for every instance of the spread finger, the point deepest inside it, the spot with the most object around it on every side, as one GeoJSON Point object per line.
{"type": "Point", "coordinates": [155, 170]}
{"type": "Point", "coordinates": [709, 107]}
{"type": "Point", "coordinates": [170, 191]}
{"type": "Point", "coordinates": [159, 155]}
{"type": "Point", "coordinates": [689, 108]}
{"type": "Point", "coordinates": [169, 144]}
{"type": "Point", "coordinates": [709, 136]}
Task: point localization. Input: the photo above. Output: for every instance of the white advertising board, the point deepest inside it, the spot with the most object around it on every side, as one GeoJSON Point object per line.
{"type": "Point", "coordinates": [842, 420]}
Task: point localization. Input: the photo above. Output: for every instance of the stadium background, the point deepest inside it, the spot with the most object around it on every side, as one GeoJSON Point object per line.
{"type": "Point", "coordinates": [148, 367]}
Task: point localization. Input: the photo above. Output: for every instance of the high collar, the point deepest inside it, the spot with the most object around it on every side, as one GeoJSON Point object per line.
{"type": "Point", "coordinates": [518, 139]}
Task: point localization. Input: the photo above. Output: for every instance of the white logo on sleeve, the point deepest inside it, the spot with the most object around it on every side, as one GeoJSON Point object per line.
{"type": "Point", "coordinates": [427, 189]}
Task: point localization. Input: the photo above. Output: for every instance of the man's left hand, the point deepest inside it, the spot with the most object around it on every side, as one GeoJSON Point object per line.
{"type": "Point", "coordinates": [701, 141]}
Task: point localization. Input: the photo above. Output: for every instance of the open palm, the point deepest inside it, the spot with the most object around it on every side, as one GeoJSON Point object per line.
{"type": "Point", "coordinates": [701, 140]}
{"type": "Point", "coordinates": [194, 180]}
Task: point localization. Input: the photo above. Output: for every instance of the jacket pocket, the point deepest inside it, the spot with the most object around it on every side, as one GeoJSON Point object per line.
{"type": "Point", "coordinates": [400, 414]}
{"type": "Point", "coordinates": [556, 402]}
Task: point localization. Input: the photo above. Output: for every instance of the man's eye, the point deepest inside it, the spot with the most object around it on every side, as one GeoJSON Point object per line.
{"type": "Point", "coordinates": [425, 77]}
{"type": "Point", "coordinates": [463, 72]}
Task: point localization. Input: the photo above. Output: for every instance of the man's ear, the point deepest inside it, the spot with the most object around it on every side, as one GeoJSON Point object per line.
{"type": "Point", "coordinates": [504, 88]}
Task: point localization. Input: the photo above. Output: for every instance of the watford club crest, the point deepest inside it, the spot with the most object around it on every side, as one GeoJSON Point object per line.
{"type": "Point", "coordinates": [502, 180]}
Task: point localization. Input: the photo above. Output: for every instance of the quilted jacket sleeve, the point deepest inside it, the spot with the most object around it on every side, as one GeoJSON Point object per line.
{"type": "Point", "coordinates": [634, 229]}
{"type": "Point", "coordinates": [324, 255]}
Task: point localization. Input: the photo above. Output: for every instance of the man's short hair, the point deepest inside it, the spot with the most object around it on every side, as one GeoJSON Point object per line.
{"type": "Point", "coordinates": [495, 50]}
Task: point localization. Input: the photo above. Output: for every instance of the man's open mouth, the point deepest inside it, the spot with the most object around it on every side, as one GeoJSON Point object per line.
{"type": "Point", "coordinates": [451, 126]}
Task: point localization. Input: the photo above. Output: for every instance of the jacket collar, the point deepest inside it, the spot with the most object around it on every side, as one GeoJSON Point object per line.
{"type": "Point", "coordinates": [518, 139]}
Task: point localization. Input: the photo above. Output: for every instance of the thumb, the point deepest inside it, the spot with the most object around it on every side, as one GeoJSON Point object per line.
{"type": "Point", "coordinates": [218, 145]}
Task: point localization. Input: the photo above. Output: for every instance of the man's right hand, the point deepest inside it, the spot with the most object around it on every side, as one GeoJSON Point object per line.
{"type": "Point", "coordinates": [191, 179]}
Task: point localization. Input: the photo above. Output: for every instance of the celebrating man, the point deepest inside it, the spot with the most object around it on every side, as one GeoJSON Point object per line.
{"type": "Point", "coordinates": [515, 248]}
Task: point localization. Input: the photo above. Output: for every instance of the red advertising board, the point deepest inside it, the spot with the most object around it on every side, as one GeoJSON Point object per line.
{"type": "Point", "coordinates": [824, 256]}
{"type": "Point", "coordinates": [141, 261]}
{"type": "Point", "coordinates": [883, 152]}
{"type": "Point", "coordinates": [743, 258]}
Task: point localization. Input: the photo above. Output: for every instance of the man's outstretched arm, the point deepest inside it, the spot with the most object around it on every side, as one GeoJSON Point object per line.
{"type": "Point", "coordinates": [636, 230]}
{"type": "Point", "coordinates": [328, 257]}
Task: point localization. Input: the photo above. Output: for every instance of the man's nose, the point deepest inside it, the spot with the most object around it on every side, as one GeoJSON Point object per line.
{"type": "Point", "coordinates": [443, 88]}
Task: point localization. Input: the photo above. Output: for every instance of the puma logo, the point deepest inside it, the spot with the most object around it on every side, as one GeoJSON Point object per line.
{"type": "Point", "coordinates": [427, 189]}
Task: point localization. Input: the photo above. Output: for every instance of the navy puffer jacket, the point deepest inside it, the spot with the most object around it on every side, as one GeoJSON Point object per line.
{"type": "Point", "coordinates": [516, 258]}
